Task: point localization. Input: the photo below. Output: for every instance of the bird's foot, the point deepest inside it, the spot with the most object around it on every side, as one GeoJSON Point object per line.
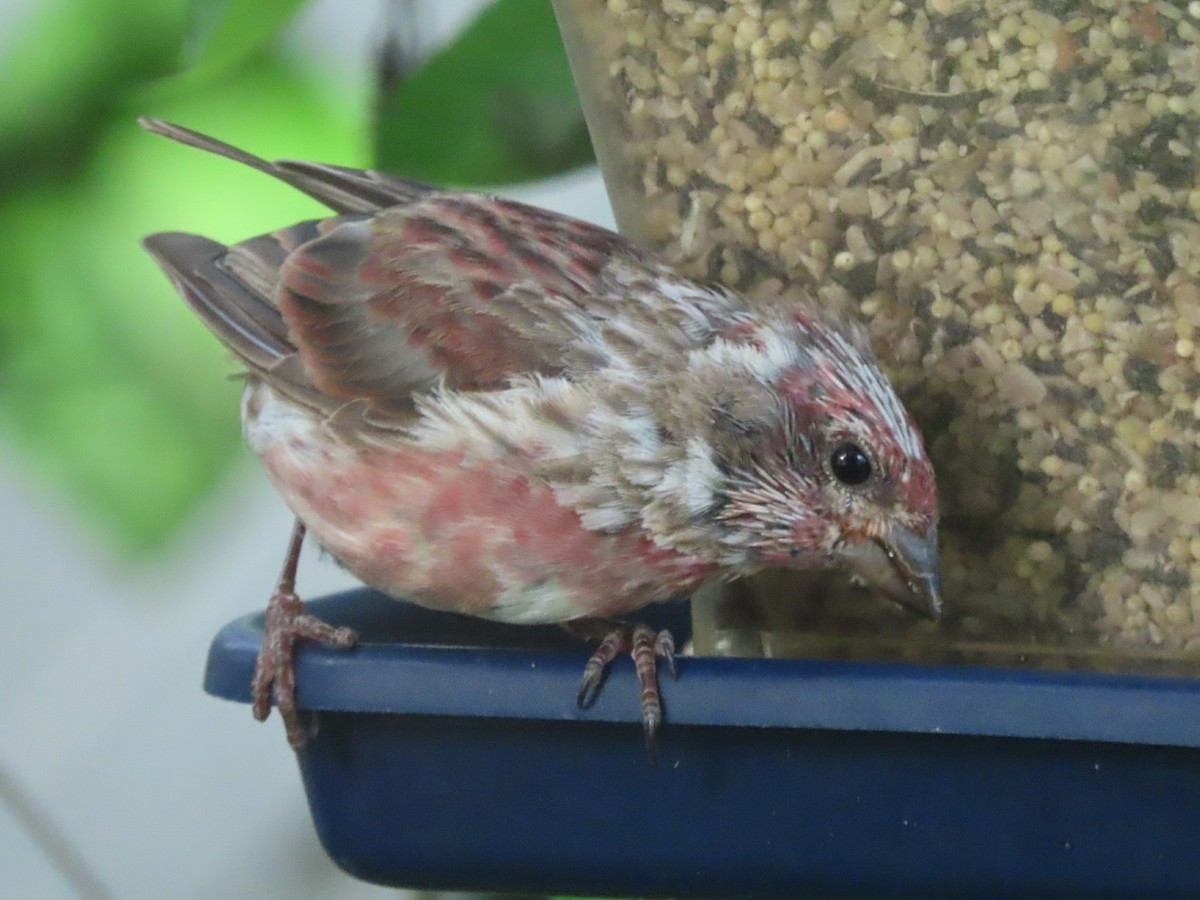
{"type": "Point", "coordinates": [286, 622]}
{"type": "Point", "coordinates": [645, 646]}
{"type": "Point", "coordinates": [274, 671]}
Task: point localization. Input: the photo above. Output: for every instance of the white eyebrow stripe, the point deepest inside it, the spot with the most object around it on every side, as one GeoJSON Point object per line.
{"type": "Point", "coordinates": [865, 377]}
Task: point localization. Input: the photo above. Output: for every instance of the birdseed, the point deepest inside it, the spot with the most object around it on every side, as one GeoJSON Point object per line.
{"type": "Point", "coordinates": [1006, 192]}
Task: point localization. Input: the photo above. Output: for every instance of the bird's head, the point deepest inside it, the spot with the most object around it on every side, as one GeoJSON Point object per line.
{"type": "Point", "coordinates": [821, 465]}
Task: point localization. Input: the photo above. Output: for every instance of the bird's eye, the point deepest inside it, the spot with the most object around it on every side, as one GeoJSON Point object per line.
{"type": "Point", "coordinates": [850, 464]}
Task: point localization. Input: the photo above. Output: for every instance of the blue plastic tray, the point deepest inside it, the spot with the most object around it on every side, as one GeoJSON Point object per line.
{"type": "Point", "coordinates": [451, 756]}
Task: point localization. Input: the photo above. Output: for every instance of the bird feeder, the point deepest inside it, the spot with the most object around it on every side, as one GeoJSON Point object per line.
{"type": "Point", "coordinates": [1005, 192]}
{"type": "Point", "coordinates": [449, 754]}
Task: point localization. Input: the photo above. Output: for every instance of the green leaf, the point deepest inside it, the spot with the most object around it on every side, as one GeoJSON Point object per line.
{"type": "Point", "coordinates": [497, 105]}
{"type": "Point", "coordinates": [109, 387]}
{"type": "Point", "coordinates": [222, 33]}
{"type": "Point", "coordinates": [65, 71]}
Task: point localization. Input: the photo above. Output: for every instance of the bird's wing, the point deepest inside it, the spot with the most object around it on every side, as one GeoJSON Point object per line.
{"type": "Point", "coordinates": [473, 290]}
{"type": "Point", "coordinates": [458, 290]}
{"type": "Point", "coordinates": [411, 288]}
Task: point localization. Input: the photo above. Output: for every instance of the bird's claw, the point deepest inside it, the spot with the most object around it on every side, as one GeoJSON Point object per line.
{"type": "Point", "coordinates": [274, 671]}
{"type": "Point", "coordinates": [645, 646]}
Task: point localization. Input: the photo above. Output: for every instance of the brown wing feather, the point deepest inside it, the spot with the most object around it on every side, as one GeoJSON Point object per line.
{"type": "Point", "coordinates": [483, 288]}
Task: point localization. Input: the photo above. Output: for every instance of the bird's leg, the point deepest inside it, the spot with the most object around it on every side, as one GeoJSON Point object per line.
{"type": "Point", "coordinates": [642, 643]}
{"type": "Point", "coordinates": [286, 620]}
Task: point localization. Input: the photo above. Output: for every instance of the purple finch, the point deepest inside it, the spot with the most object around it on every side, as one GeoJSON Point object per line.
{"type": "Point", "coordinates": [488, 408]}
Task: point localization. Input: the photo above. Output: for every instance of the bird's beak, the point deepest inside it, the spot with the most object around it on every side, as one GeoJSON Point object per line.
{"type": "Point", "coordinates": [904, 565]}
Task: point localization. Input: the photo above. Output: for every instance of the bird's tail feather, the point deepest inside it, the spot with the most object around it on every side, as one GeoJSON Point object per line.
{"type": "Point", "coordinates": [341, 189]}
{"type": "Point", "coordinates": [234, 308]}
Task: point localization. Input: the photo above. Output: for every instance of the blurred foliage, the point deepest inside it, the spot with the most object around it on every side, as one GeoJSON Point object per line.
{"type": "Point", "coordinates": [65, 69]}
{"type": "Point", "coordinates": [113, 389]}
{"type": "Point", "coordinates": [221, 33]}
{"type": "Point", "coordinates": [496, 105]}
{"type": "Point", "coordinates": [108, 386]}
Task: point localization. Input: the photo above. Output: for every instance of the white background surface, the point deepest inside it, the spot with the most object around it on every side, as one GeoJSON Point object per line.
{"type": "Point", "coordinates": [163, 791]}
